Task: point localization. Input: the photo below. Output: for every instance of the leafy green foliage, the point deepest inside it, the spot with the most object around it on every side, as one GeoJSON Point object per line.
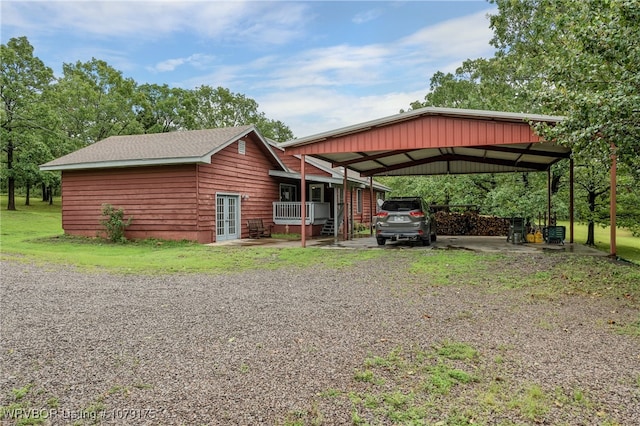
{"type": "Point", "coordinates": [115, 223]}
{"type": "Point", "coordinates": [43, 118]}
{"type": "Point", "coordinates": [23, 79]}
{"type": "Point", "coordinates": [565, 57]}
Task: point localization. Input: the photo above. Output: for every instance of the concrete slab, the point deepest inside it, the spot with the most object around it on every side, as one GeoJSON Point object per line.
{"type": "Point", "coordinates": [473, 243]}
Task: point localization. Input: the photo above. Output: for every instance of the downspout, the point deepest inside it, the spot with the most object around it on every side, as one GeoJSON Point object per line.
{"type": "Point", "coordinates": [612, 202]}
{"type": "Point", "coordinates": [303, 202]}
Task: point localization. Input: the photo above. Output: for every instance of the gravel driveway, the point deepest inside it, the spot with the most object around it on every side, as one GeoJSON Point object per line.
{"type": "Point", "coordinates": [253, 347]}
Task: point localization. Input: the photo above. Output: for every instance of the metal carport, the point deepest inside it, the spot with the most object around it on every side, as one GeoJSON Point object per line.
{"type": "Point", "coordinates": [433, 141]}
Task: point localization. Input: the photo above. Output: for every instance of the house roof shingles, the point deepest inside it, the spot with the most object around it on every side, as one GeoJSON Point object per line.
{"type": "Point", "coordinates": [147, 149]}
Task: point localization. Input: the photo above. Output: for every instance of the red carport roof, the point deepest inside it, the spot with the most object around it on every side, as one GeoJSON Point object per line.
{"type": "Point", "coordinates": [432, 140]}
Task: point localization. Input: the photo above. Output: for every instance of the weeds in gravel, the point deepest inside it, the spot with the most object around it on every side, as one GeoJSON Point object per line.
{"type": "Point", "coordinates": [449, 384]}
{"type": "Point", "coordinates": [20, 410]}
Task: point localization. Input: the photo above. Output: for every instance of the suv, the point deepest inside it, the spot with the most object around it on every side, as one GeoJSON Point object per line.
{"type": "Point", "coordinates": [405, 218]}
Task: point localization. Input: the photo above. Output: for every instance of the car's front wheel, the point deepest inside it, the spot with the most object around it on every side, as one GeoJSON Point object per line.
{"type": "Point", "coordinates": [381, 241]}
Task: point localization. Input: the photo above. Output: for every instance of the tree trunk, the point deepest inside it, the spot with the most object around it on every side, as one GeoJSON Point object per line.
{"type": "Point", "coordinates": [50, 195]}
{"type": "Point", "coordinates": [11, 181]}
{"type": "Point", "coordinates": [45, 195]}
{"type": "Point", "coordinates": [26, 202]}
{"type": "Point", "coordinates": [591, 200]}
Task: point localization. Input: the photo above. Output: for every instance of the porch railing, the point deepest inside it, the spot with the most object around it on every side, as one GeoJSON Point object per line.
{"type": "Point", "coordinates": [289, 213]}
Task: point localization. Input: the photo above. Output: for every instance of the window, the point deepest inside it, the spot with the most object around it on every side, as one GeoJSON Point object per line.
{"type": "Point", "coordinates": [359, 200]}
{"type": "Point", "coordinates": [242, 147]}
{"type": "Point", "coordinates": [288, 192]}
{"type": "Point", "coordinates": [316, 193]}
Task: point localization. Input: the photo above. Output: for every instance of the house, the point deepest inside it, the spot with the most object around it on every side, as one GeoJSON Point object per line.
{"type": "Point", "coordinates": [203, 185]}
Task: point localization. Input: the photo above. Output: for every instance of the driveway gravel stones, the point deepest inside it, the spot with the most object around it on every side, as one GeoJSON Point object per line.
{"type": "Point", "coordinates": [255, 347]}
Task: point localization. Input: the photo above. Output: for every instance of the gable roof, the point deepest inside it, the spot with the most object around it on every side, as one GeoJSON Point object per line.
{"type": "Point", "coordinates": [183, 147]}
{"type": "Point", "coordinates": [434, 140]}
{"type": "Point", "coordinates": [336, 175]}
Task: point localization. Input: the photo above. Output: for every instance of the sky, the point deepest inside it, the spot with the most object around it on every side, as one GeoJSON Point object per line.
{"type": "Point", "coordinates": [314, 65]}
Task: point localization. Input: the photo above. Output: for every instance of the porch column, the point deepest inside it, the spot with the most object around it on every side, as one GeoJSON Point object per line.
{"type": "Point", "coordinates": [371, 205]}
{"type": "Point", "coordinates": [612, 202]}
{"type": "Point", "coordinates": [345, 213]}
{"type": "Point", "coordinates": [303, 202]}
{"type": "Point", "coordinates": [571, 207]}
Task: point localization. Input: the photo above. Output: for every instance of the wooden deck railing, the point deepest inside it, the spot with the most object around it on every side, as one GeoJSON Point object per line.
{"type": "Point", "coordinates": [289, 213]}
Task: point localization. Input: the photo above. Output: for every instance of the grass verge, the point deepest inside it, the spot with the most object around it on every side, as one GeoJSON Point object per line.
{"type": "Point", "coordinates": [34, 234]}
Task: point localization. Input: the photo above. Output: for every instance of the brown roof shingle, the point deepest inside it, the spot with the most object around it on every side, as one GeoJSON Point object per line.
{"type": "Point", "coordinates": [158, 148]}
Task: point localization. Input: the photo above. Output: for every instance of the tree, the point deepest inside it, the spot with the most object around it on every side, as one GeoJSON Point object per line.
{"type": "Point", "coordinates": [490, 84]}
{"type": "Point", "coordinates": [163, 108]}
{"type": "Point", "coordinates": [95, 101]}
{"type": "Point", "coordinates": [588, 62]}
{"type": "Point", "coordinates": [220, 107]}
{"type": "Point", "coordinates": [23, 78]}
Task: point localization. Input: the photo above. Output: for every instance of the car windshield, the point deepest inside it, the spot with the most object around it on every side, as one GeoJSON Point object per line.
{"type": "Point", "coordinates": [401, 205]}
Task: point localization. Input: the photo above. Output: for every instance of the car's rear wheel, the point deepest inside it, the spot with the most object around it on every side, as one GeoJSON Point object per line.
{"type": "Point", "coordinates": [381, 241]}
{"type": "Point", "coordinates": [426, 242]}
{"type": "Point", "coordinates": [433, 237]}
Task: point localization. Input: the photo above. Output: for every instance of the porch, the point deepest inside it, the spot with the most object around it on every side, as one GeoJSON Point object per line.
{"type": "Point", "coordinates": [290, 213]}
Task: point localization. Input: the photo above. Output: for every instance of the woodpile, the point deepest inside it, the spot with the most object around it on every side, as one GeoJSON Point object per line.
{"type": "Point", "coordinates": [470, 223]}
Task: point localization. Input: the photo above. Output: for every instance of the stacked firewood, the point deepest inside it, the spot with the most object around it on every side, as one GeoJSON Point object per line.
{"type": "Point", "coordinates": [470, 223]}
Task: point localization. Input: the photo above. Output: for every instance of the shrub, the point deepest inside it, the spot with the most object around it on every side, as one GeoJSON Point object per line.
{"type": "Point", "coordinates": [115, 224]}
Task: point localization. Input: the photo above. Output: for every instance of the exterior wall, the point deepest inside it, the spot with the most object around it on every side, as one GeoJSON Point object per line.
{"type": "Point", "coordinates": [367, 213]}
{"type": "Point", "coordinates": [162, 200]}
{"type": "Point", "coordinates": [246, 175]}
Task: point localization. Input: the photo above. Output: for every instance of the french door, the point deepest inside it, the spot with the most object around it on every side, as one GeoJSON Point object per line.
{"type": "Point", "coordinates": [227, 217]}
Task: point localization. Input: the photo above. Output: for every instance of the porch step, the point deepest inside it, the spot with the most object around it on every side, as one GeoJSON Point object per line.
{"type": "Point", "coordinates": [328, 228]}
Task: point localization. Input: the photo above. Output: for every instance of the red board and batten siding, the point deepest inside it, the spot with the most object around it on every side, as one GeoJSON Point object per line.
{"type": "Point", "coordinates": [243, 175]}
{"type": "Point", "coordinates": [171, 202]}
{"type": "Point", "coordinates": [161, 199]}
{"type": "Point", "coordinates": [365, 216]}
{"type": "Point", "coordinates": [294, 164]}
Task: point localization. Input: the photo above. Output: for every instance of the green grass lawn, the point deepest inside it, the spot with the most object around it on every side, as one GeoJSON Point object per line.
{"type": "Point", "coordinates": [627, 246]}
{"type": "Point", "coordinates": [34, 234]}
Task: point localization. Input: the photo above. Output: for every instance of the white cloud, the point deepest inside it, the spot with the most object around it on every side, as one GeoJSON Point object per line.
{"type": "Point", "coordinates": [466, 37]}
{"type": "Point", "coordinates": [311, 111]}
{"type": "Point", "coordinates": [197, 60]}
{"type": "Point", "coordinates": [367, 16]}
{"type": "Point", "coordinates": [330, 66]}
{"type": "Point", "coordinates": [252, 22]}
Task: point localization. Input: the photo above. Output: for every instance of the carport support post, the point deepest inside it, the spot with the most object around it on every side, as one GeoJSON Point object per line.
{"type": "Point", "coordinates": [612, 201]}
{"type": "Point", "coordinates": [571, 207]}
{"type": "Point", "coordinates": [345, 218]}
{"type": "Point", "coordinates": [371, 193]}
{"type": "Point", "coordinates": [549, 196]}
{"type": "Point", "coordinates": [303, 202]}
